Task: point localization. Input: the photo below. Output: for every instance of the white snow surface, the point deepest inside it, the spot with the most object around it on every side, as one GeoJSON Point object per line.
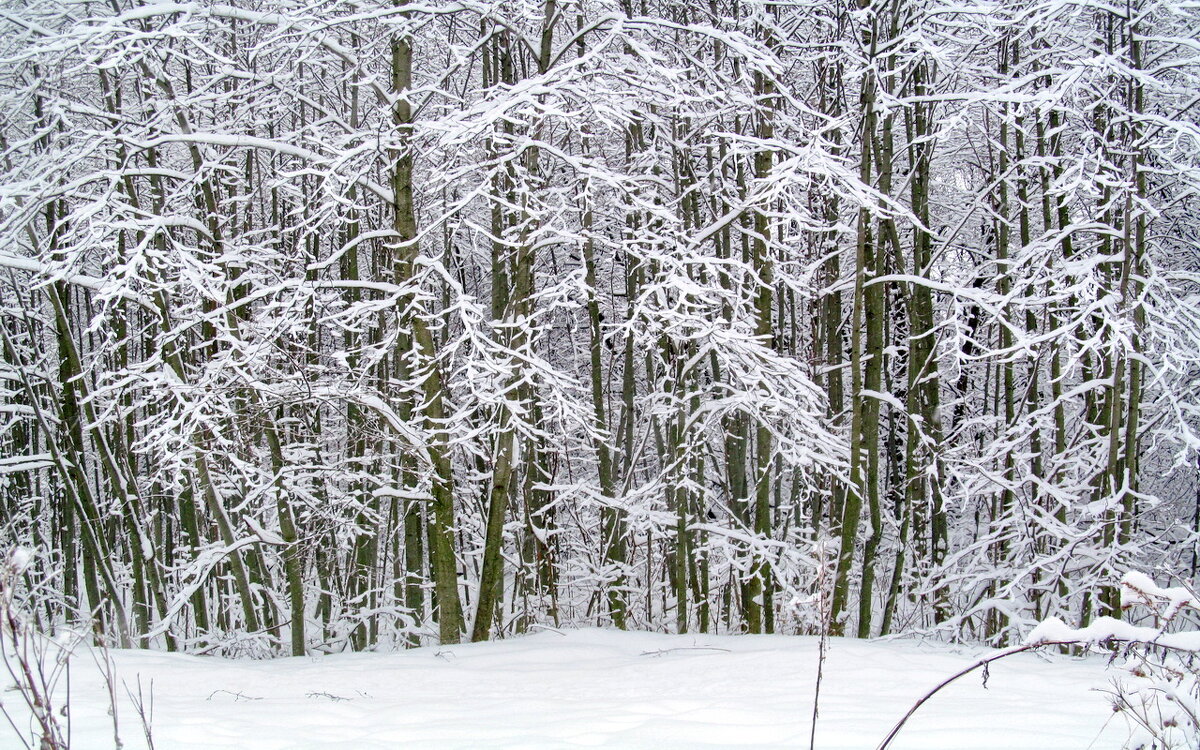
{"type": "Point", "coordinates": [598, 688]}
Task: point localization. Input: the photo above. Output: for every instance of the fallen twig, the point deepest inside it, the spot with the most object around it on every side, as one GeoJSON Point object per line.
{"type": "Point", "coordinates": [662, 651]}
{"type": "Point", "coordinates": [236, 696]}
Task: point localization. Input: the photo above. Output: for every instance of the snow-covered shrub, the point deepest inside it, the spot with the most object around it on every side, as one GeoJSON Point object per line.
{"type": "Point", "coordinates": [24, 654]}
{"type": "Point", "coordinates": [1158, 688]}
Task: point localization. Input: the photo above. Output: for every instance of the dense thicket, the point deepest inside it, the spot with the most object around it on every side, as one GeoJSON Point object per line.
{"type": "Point", "coordinates": [340, 324]}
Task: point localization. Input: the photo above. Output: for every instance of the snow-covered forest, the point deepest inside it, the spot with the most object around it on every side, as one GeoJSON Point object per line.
{"type": "Point", "coordinates": [347, 324]}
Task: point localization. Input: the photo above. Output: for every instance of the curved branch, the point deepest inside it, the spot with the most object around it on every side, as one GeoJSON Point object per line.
{"type": "Point", "coordinates": [996, 657]}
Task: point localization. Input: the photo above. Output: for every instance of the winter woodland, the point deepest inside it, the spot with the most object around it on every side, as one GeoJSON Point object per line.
{"type": "Point", "coordinates": [340, 325]}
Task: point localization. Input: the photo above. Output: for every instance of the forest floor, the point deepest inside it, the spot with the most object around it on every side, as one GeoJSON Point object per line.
{"type": "Point", "coordinates": [596, 688]}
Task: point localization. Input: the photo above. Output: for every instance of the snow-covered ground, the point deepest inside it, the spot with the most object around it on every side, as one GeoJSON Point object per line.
{"type": "Point", "coordinates": [599, 688]}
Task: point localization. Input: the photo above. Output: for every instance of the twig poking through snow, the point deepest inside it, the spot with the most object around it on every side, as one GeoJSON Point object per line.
{"type": "Point", "coordinates": [236, 696]}
{"type": "Point", "coordinates": [662, 651]}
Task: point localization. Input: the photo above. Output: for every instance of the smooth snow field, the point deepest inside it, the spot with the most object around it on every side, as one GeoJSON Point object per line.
{"type": "Point", "coordinates": [597, 688]}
